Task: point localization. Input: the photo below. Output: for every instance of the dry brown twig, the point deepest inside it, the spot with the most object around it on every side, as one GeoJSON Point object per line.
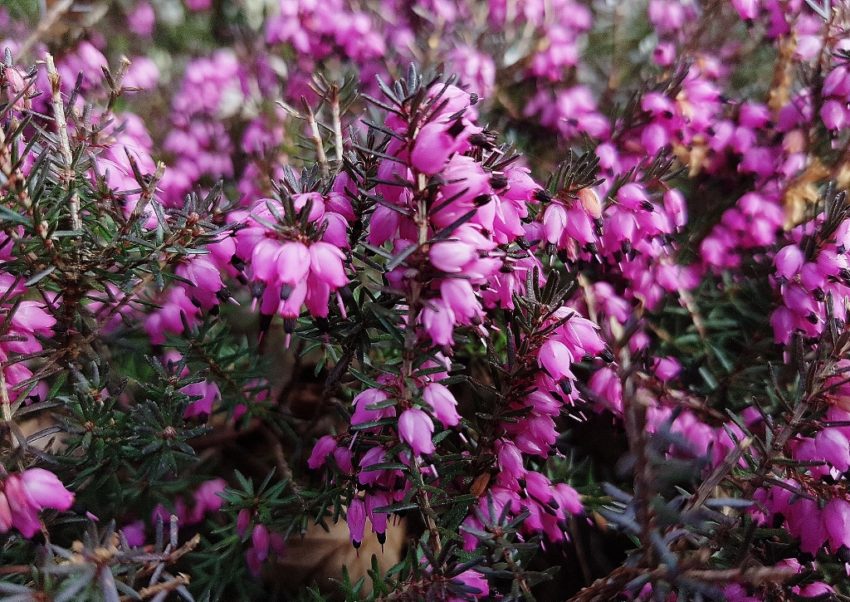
{"type": "Point", "coordinates": [46, 24]}
{"type": "Point", "coordinates": [64, 141]}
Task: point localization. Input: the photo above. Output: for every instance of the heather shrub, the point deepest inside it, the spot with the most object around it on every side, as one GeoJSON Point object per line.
{"type": "Point", "coordinates": [433, 300]}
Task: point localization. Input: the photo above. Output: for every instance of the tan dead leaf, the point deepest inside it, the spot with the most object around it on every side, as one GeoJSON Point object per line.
{"type": "Point", "coordinates": [801, 192]}
{"type": "Point", "coordinates": [51, 443]}
{"type": "Point", "coordinates": [479, 485]}
{"type": "Point", "coordinates": [783, 75]}
{"type": "Point", "coordinates": [842, 176]}
{"type": "Point", "coordinates": [600, 521]}
{"type": "Point", "coordinates": [692, 156]}
{"type": "Point", "coordinates": [320, 555]}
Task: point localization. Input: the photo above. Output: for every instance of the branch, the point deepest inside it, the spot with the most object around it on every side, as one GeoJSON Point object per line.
{"type": "Point", "coordinates": [46, 24]}
{"type": "Point", "coordinates": [64, 142]}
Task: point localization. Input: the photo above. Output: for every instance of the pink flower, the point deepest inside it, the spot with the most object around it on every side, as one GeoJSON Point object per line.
{"type": "Point", "coordinates": [475, 581]}
{"type": "Point", "coordinates": [260, 541]}
{"type": "Point", "coordinates": [24, 495]}
{"type": "Point", "coordinates": [834, 115]}
{"type": "Point", "coordinates": [438, 320]}
{"type": "Point", "coordinates": [788, 261]}
{"type": "Point", "coordinates": [30, 317]}
{"type": "Point", "coordinates": [554, 222]}
{"type": "Point", "coordinates": [362, 412]}
{"type": "Point", "coordinates": [747, 9]}
{"type": "Point", "coordinates": [207, 499]}
{"type": "Point", "coordinates": [606, 384]}
{"type": "Point", "coordinates": [459, 295]}
{"type": "Point", "coordinates": [142, 19]}
{"type": "Point", "coordinates": [321, 450]}
{"type": "Point", "coordinates": [326, 264]}
{"type": "Point", "coordinates": [435, 143]}
{"type": "Point", "coordinates": [252, 559]}
{"type": "Point", "coordinates": [832, 446]}
{"type": "Point", "coordinates": [343, 458]}
{"type": "Point", "coordinates": [208, 392]}
{"type": "Point", "coordinates": [837, 83]}
{"type": "Point", "coordinates": [555, 358]}
{"type": "Point", "coordinates": [378, 519]}
{"type": "Point", "coordinates": [415, 428]}
{"type": "Point", "coordinates": [243, 520]}
{"type": "Point", "coordinates": [667, 368]}
{"type": "Point", "coordinates": [510, 460]}
{"type": "Point", "coordinates": [375, 455]}
{"type": "Point", "coordinates": [451, 255]}
{"type": "Point", "coordinates": [383, 225]}
{"type": "Point", "coordinates": [442, 402]}
{"type": "Point", "coordinates": [356, 518]}
{"type": "Point", "coordinates": [44, 490]}
{"type": "Point", "coordinates": [836, 517]}
{"type": "Point", "coordinates": [134, 533]}
{"type": "Point", "coordinates": [293, 263]}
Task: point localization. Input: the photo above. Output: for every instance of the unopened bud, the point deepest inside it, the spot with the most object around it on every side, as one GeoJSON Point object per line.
{"type": "Point", "coordinates": [590, 202]}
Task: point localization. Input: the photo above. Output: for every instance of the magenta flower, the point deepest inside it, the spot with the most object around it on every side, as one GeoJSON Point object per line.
{"type": "Point", "coordinates": [375, 455]}
{"type": "Point", "coordinates": [142, 19]}
{"type": "Point", "coordinates": [475, 581]}
{"type": "Point", "coordinates": [366, 398]}
{"type": "Point", "coordinates": [326, 264]}
{"type": "Point", "coordinates": [788, 261]}
{"type": "Point", "coordinates": [260, 541]}
{"type": "Point", "coordinates": [667, 368]}
{"type": "Point", "coordinates": [378, 519]}
{"type": "Point", "coordinates": [207, 499]}
{"type": "Point", "coordinates": [438, 320]}
{"type": "Point", "coordinates": [134, 533]}
{"type": "Point", "coordinates": [321, 450]}
{"type": "Point", "coordinates": [44, 490]}
{"type": "Point", "coordinates": [24, 495]}
{"type": "Point", "coordinates": [356, 518]}
{"type": "Point", "coordinates": [415, 428]}
{"type": "Point", "coordinates": [243, 521]}
{"type": "Point", "coordinates": [510, 460]}
{"type": "Point", "coordinates": [442, 402]}
{"type": "Point", "coordinates": [208, 392]}
{"type": "Point", "coordinates": [836, 517]}
{"type": "Point", "coordinates": [834, 115]}
{"type": "Point", "coordinates": [451, 255]}
{"type": "Point", "coordinates": [837, 82]}
{"type": "Point", "coordinates": [832, 446]}
{"type": "Point", "coordinates": [555, 358]}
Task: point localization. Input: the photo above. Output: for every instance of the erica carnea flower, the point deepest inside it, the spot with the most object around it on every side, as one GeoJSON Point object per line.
{"type": "Point", "coordinates": [26, 494]}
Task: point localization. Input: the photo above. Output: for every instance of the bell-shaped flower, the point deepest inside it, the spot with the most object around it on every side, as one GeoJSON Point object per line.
{"type": "Point", "coordinates": [442, 402]}
{"type": "Point", "coordinates": [356, 519]}
{"type": "Point", "coordinates": [416, 429]}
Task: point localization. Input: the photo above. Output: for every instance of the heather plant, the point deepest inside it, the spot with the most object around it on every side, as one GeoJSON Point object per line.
{"type": "Point", "coordinates": [505, 300]}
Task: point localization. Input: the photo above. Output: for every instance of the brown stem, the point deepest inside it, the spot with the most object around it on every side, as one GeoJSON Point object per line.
{"type": "Point", "coordinates": [64, 142]}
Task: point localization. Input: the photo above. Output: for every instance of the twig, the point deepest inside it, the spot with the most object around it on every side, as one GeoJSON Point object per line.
{"type": "Point", "coordinates": [337, 123]}
{"type": "Point", "coordinates": [45, 24]}
{"type": "Point", "coordinates": [165, 586]}
{"type": "Point", "coordinates": [64, 142]}
{"type": "Point", "coordinates": [116, 82]}
{"type": "Point", "coordinates": [719, 473]}
{"type": "Point", "coordinates": [317, 138]}
{"type": "Point", "coordinates": [4, 396]}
